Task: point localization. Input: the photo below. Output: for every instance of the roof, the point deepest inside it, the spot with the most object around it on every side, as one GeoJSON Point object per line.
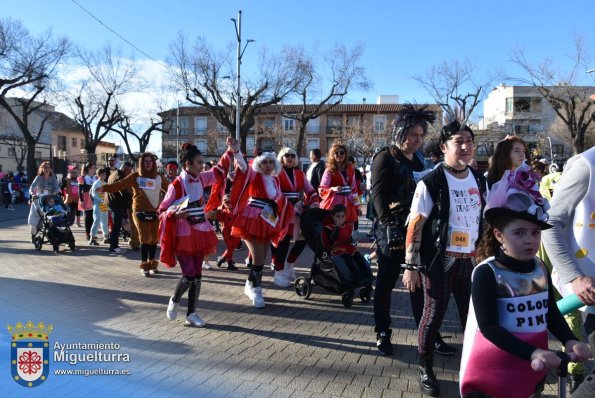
{"type": "Point", "coordinates": [290, 108]}
{"type": "Point", "coordinates": [60, 121]}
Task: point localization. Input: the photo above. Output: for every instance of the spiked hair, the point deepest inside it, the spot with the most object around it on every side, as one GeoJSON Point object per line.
{"type": "Point", "coordinates": [408, 117]}
{"type": "Point", "coordinates": [454, 121]}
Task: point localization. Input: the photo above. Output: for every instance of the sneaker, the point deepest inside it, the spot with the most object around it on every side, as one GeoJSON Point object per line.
{"type": "Point", "coordinates": [247, 262]}
{"type": "Point", "coordinates": [93, 242]}
{"type": "Point", "coordinates": [383, 343]}
{"type": "Point", "coordinates": [280, 279]}
{"type": "Point", "coordinates": [220, 261]}
{"type": "Point", "coordinates": [194, 320]}
{"type": "Point", "coordinates": [440, 347]}
{"type": "Point", "coordinates": [206, 265]}
{"type": "Point", "coordinates": [153, 271]}
{"type": "Point", "coordinates": [105, 241]}
{"type": "Point", "coordinates": [255, 294]}
{"type": "Point", "coordinates": [117, 250]}
{"type": "Point", "coordinates": [231, 266]}
{"type": "Point", "coordinates": [172, 309]}
{"type": "Point", "coordinates": [144, 273]}
{"type": "Point", "coordinates": [368, 259]}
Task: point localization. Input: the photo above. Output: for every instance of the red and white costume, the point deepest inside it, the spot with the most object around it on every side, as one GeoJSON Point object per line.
{"type": "Point", "coordinates": [347, 197]}
{"type": "Point", "coordinates": [226, 216]}
{"type": "Point", "coordinates": [178, 236]}
{"type": "Point", "coordinates": [251, 192]}
{"type": "Point", "coordinates": [298, 192]}
{"type": "Point", "coordinates": [343, 242]}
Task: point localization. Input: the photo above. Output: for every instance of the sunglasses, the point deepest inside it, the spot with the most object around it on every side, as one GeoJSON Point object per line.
{"type": "Point", "coordinates": [289, 155]}
{"type": "Point", "coordinates": [267, 161]}
{"type": "Point", "coordinates": [339, 153]}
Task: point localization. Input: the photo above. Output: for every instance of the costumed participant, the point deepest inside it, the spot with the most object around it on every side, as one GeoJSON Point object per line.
{"type": "Point", "coordinates": [45, 183]}
{"type": "Point", "coordinates": [185, 233]}
{"type": "Point", "coordinates": [299, 192]}
{"type": "Point", "coordinates": [338, 185]}
{"type": "Point", "coordinates": [263, 215]}
{"type": "Point", "coordinates": [337, 239]}
{"type": "Point", "coordinates": [509, 154]}
{"type": "Point", "coordinates": [225, 215]}
{"type": "Point", "coordinates": [70, 191]}
{"type": "Point", "coordinates": [147, 187]}
{"type": "Point", "coordinates": [100, 209]}
{"type": "Point", "coordinates": [86, 180]}
{"type": "Point", "coordinates": [444, 226]}
{"type": "Point", "coordinates": [570, 244]}
{"type": "Point", "coordinates": [513, 304]}
{"type": "Point", "coordinates": [171, 170]}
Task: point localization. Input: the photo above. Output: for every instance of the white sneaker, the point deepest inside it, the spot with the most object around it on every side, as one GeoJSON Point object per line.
{"type": "Point", "coordinates": [206, 265]}
{"type": "Point", "coordinates": [247, 261]}
{"type": "Point", "coordinates": [194, 320]}
{"type": "Point", "coordinates": [255, 294]}
{"type": "Point", "coordinates": [280, 279]}
{"type": "Point", "coordinates": [172, 309]}
{"type": "Point", "coordinates": [290, 272]}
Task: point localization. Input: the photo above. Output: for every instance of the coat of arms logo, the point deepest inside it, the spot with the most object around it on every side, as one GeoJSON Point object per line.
{"type": "Point", "coordinates": [30, 353]}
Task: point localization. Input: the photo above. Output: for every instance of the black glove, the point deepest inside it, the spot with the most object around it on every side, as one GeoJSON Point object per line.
{"type": "Point", "coordinates": [394, 237]}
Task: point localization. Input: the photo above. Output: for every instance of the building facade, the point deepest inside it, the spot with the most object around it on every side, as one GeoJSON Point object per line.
{"type": "Point", "coordinates": [363, 127]}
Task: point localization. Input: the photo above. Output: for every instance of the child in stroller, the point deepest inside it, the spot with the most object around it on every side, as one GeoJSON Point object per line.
{"type": "Point", "coordinates": [338, 267]}
{"type": "Point", "coordinates": [55, 223]}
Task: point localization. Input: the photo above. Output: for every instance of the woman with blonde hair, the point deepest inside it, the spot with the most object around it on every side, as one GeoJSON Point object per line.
{"type": "Point", "coordinates": [263, 215]}
{"type": "Point", "coordinates": [298, 191]}
{"type": "Point", "coordinates": [338, 185]}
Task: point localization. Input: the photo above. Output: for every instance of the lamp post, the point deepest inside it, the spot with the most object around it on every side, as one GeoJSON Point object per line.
{"type": "Point", "coordinates": [551, 149]}
{"type": "Point", "coordinates": [178, 132]}
{"type": "Point", "coordinates": [238, 25]}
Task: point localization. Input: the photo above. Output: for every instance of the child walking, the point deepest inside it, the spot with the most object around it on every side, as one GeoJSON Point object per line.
{"type": "Point", "coordinates": [100, 209]}
{"type": "Point", "coordinates": [225, 215]}
{"type": "Point", "coordinates": [512, 299]}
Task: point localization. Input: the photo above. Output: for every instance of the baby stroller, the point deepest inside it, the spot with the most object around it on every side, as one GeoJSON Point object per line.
{"type": "Point", "coordinates": [333, 273]}
{"type": "Point", "coordinates": [54, 226]}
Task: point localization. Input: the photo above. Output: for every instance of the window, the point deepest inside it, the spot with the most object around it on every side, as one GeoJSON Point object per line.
{"type": "Point", "coordinates": [379, 122]}
{"type": "Point", "coordinates": [268, 124]}
{"type": "Point", "coordinates": [200, 125]}
{"type": "Point", "coordinates": [74, 143]}
{"type": "Point", "coordinates": [183, 126]}
{"type": "Point", "coordinates": [82, 143]}
{"type": "Point", "coordinates": [201, 145]}
{"type": "Point", "coordinates": [509, 105]}
{"type": "Point", "coordinates": [10, 151]}
{"type": "Point", "coordinates": [249, 144]}
{"type": "Point", "coordinates": [288, 142]}
{"type": "Point", "coordinates": [353, 121]}
{"type": "Point", "coordinates": [334, 124]}
{"type": "Point", "coordinates": [37, 154]}
{"type": "Point", "coordinates": [312, 143]}
{"type": "Point", "coordinates": [313, 126]}
{"type": "Point", "coordinates": [220, 144]}
{"type": "Point", "coordinates": [522, 104]}
{"type": "Point", "coordinates": [288, 124]}
{"type": "Point", "coordinates": [61, 142]}
{"type": "Point", "coordinates": [221, 128]}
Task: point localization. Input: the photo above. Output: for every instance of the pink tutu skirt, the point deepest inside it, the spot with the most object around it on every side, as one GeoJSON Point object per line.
{"type": "Point", "coordinates": [198, 241]}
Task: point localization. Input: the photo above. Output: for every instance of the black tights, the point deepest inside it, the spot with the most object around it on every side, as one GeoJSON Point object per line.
{"type": "Point", "coordinates": [147, 251]}
{"type": "Point", "coordinates": [192, 284]}
{"type": "Point", "coordinates": [255, 275]}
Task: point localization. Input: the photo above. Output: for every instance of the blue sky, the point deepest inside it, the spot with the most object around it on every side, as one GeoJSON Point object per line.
{"type": "Point", "coordinates": [402, 39]}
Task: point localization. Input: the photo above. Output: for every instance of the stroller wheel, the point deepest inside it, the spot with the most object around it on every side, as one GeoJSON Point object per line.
{"type": "Point", "coordinates": [56, 247]}
{"type": "Point", "coordinates": [347, 299]}
{"type": "Point", "coordinates": [38, 242]}
{"type": "Point", "coordinates": [365, 294]}
{"type": "Point", "coordinates": [303, 288]}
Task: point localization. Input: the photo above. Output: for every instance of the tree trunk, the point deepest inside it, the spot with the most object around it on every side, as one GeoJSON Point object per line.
{"type": "Point", "coordinates": [31, 163]}
{"type": "Point", "coordinates": [300, 140]}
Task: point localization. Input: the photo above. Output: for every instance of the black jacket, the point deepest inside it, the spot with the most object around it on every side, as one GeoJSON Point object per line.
{"type": "Point", "coordinates": [121, 200]}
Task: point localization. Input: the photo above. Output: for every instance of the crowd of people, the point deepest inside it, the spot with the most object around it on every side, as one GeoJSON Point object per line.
{"type": "Point", "coordinates": [450, 228]}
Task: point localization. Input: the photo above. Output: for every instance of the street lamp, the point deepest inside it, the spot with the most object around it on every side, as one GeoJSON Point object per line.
{"type": "Point", "coordinates": [238, 25]}
{"type": "Point", "coordinates": [551, 150]}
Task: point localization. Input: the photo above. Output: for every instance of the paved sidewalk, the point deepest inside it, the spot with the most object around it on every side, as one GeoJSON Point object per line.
{"type": "Point", "coordinates": [292, 348]}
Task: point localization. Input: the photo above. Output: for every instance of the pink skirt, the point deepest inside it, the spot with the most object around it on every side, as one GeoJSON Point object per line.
{"type": "Point", "coordinates": [204, 242]}
{"type": "Point", "coordinates": [251, 227]}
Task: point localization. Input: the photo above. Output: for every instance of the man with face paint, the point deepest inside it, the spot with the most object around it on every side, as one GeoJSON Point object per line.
{"type": "Point", "coordinates": [147, 192]}
{"type": "Point", "coordinates": [444, 226]}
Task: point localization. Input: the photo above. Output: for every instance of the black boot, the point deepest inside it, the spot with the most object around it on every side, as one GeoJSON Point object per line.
{"type": "Point", "coordinates": [427, 379]}
{"type": "Point", "coordinates": [383, 343]}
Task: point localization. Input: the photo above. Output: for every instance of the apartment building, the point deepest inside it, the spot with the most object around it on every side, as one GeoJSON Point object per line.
{"type": "Point", "coordinates": [272, 130]}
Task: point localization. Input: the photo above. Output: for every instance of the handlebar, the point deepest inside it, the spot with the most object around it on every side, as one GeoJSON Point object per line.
{"type": "Point", "coordinates": [538, 365]}
{"type": "Point", "coordinates": [569, 304]}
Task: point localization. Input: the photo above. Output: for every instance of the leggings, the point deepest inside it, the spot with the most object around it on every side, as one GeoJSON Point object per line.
{"type": "Point", "coordinates": [88, 221]}
{"type": "Point", "coordinates": [279, 253]}
{"type": "Point", "coordinates": [437, 286]}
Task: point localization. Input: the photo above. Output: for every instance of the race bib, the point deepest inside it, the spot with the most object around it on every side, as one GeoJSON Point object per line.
{"type": "Point", "coordinates": [146, 183]}
{"type": "Point", "coordinates": [269, 216]}
{"type": "Point", "coordinates": [458, 240]}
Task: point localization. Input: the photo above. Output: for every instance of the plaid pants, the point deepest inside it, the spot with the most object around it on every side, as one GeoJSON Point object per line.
{"type": "Point", "coordinates": [437, 286]}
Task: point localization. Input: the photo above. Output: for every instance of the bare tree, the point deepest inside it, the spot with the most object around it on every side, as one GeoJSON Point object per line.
{"type": "Point", "coordinates": [15, 142]}
{"type": "Point", "coordinates": [363, 142]}
{"type": "Point", "coordinates": [126, 130]}
{"type": "Point", "coordinates": [571, 102]}
{"type": "Point", "coordinates": [95, 103]}
{"type": "Point", "coordinates": [27, 70]}
{"type": "Point", "coordinates": [206, 77]}
{"type": "Point", "coordinates": [322, 84]}
{"type": "Point", "coordinates": [454, 87]}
